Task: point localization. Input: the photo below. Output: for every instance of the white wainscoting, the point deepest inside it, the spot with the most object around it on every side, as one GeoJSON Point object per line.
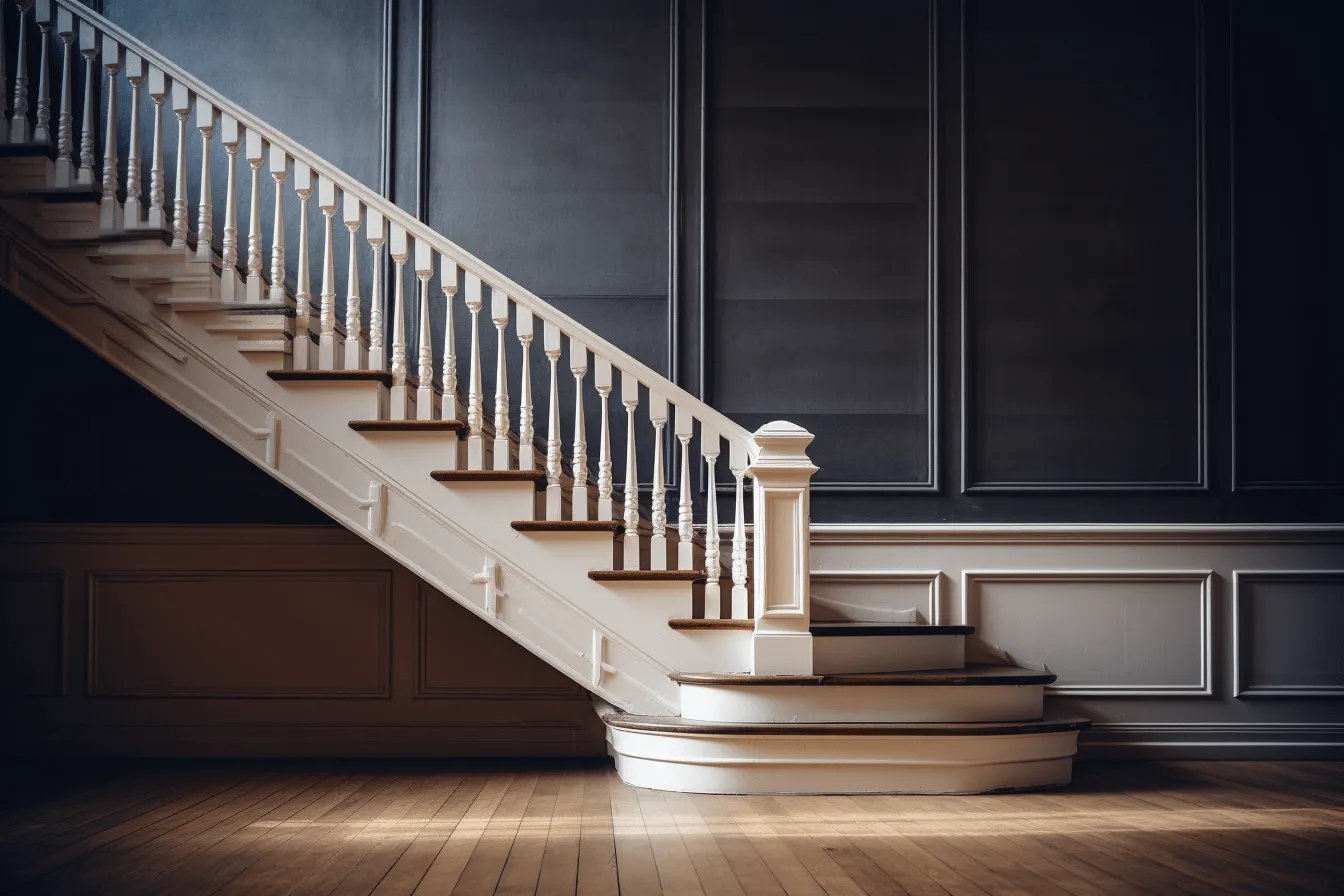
{"type": "Point", "coordinates": [1288, 633]}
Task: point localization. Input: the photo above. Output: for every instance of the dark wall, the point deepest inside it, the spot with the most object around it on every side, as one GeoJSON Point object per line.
{"type": "Point", "coordinates": [1027, 260]}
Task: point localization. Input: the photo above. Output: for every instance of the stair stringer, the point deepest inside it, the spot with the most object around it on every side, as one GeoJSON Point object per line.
{"type": "Point", "coordinates": [204, 377]}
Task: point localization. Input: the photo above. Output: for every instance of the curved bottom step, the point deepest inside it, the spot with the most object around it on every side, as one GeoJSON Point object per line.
{"type": "Point", "coordinates": [674, 754]}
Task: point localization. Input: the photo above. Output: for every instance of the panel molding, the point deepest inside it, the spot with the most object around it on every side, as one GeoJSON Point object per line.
{"type": "Point", "coordinates": [1241, 686]}
{"type": "Point", "coordinates": [971, 579]}
{"type": "Point", "coordinates": [1072, 533]}
{"type": "Point", "coordinates": [970, 485]}
{"type": "Point", "coordinates": [932, 579]}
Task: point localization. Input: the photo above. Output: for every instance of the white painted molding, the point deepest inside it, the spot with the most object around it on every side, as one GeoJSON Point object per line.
{"type": "Point", "coordinates": [1241, 684]}
{"type": "Point", "coordinates": [932, 579]}
{"type": "Point", "coordinates": [972, 578]}
{"type": "Point", "coordinates": [1075, 533]}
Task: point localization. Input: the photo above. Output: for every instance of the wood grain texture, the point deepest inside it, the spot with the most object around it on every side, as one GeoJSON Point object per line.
{"type": "Point", "coordinates": [690, 625]}
{"type": "Point", "coordinates": [646, 575]}
{"type": "Point", "coordinates": [367, 426]}
{"type": "Point", "coordinates": [611, 526]}
{"type": "Point", "coordinates": [321, 376]}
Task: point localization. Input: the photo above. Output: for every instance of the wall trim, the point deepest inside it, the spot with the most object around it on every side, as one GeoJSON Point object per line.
{"type": "Point", "coordinates": [1071, 533]}
{"type": "Point", "coordinates": [1212, 740]}
{"type": "Point", "coordinates": [970, 578]}
{"type": "Point", "coordinates": [1241, 686]}
{"type": "Point", "coordinates": [932, 578]}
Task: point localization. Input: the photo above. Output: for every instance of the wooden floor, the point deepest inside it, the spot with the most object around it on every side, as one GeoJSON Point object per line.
{"type": "Point", "coordinates": [307, 828]}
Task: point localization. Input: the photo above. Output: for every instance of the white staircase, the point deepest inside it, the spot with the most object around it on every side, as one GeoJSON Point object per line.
{"type": "Point", "coordinates": [335, 395]}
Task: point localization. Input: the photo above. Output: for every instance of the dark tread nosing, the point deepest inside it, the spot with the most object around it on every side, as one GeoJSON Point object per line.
{"type": "Point", "coordinates": [972, 675]}
{"type": "Point", "coordinates": [677, 725]}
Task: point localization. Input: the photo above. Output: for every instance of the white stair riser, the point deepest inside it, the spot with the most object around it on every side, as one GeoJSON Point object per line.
{"type": "Point", "coordinates": [334, 403]}
{"type": "Point", "coordinates": [901, 653]}
{"type": "Point", "coordinates": [807, 763]}
{"type": "Point", "coordinates": [858, 704]}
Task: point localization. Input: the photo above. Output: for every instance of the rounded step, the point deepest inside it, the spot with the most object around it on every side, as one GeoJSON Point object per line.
{"type": "Point", "coordinates": [844, 647]}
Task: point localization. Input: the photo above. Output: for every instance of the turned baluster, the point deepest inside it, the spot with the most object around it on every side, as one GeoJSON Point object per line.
{"type": "Point", "coordinates": [527, 452]}
{"type": "Point", "coordinates": [602, 381]}
{"type": "Point", "coordinates": [399, 250]}
{"type": "Point", "coordinates": [88, 50]}
{"type": "Point", "coordinates": [18, 124]}
{"type": "Point", "coordinates": [658, 504]}
{"type": "Point", "coordinates": [181, 213]}
{"type": "Point", "coordinates": [329, 341]}
{"type": "Point", "coordinates": [356, 358]}
{"type": "Point", "coordinates": [737, 463]}
{"type": "Point", "coordinates": [279, 172]}
{"type": "Point", "coordinates": [375, 230]}
{"type": "Point", "coordinates": [578, 365]}
{"type": "Point", "coordinates": [424, 395]}
{"type": "Point", "coordinates": [256, 254]}
{"type": "Point", "coordinates": [230, 137]}
{"type": "Point", "coordinates": [554, 495]}
{"type": "Point", "coordinates": [685, 509]}
{"type": "Point", "coordinates": [205, 213]}
{"type": "Point", "coordinates": [158, 94]}
{"type": "Point", "coordinates": [110, 210]}
{"type": "Point", "coordinates": [709, 449]}
{"type": "Point", "coordinates": [42, 125]}
{"type": "Point", "coordinates": [64, 173]}
{"type": "Point", "coordinates": [452, 407]}
{"type": "Point", "coordinates": [630, 399]}
{"type": "Point", "coordinates": [303, 296]}
{"type": "Point", "coordinates": [475, 407]}
{"type": "Point", "coordinates": [499, 313]}
{"type": "Point", "coordinates": [135, 75]}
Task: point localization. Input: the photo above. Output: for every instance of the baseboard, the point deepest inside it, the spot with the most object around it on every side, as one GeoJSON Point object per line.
{"type": "Point", "coordinates": [1212, 740]}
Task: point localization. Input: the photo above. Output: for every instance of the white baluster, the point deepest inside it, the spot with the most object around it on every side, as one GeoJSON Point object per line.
{"type": "Point", "coordinates": [109, 216]}
{"type": "Point", "coordinates": [64, 174]}
{"type": "Point", "coordinates": [630, 399]}
{"type": "Point", "coordinates": [709, 449]}
{"type": "Point", "coordinates": [158, 94]}
{"type": "Point", "coordinates": [375, 230]}
{"type": "Point", "coordinates": [658, 505]}
{"type": "Point", "coordinates": [279, 172]}
{"type": "Point", "coordinates": [400, 251]}
{"type": "Point", "coordinates": [424, 396]}
{"type": "Point", "coordinates": [230, 137]}
{"type": "Point", "coordinates": [737, 463]}
{"type": "Point", "coordinates": [452, 407]}
{"type": "Point", "coordinates": [256, 253]}
{"type": "Point", "coordinates": [475, 400]}
{"type": "Point", "coordinates": [578, 365]}
{"type": "Point", "coordinates": [356, 357]}
{"type": "Point", "coordinates": [554, 495]}
{"type": "Point", "coordinates": [205, 212]}
{"type": "Point", "coordinates": [602, 381]}
{"type": "Point", "coordinates": [135, 75]}
{"type": "Point", "coordinates": [685, 509]}
{"type": "Point", "coordinates": [303, 296]}
{"type": "Point", "coordinates": [42, 126]}
{"type": "Point", "coordinates": [329, 342]}
{"type": "Point", "coordinates": [88, 50]}
{"type": "Point", "coordinates": [18, 124]}
{"type": "Point", "coordinates": [499, 313]}
{"type": "Point", "coordinates": [527, 452]}
{"type": "Point", "coordinates": [181, 212]}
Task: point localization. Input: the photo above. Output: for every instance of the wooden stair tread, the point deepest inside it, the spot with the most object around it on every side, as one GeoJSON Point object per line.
{"type": "Point", "coordinates": [611, 526]}
{"type": "Point", "coordinates": [407, 425]}
{"type": "Point", "coordinates": [692, 625]}
{"type": "Point", "coordinates": [534, 476]}
{"type": "Point", "coordinates": [317, 376]}
{"type": "Point", "coordinates": [973, 674]}
{"type": "Point", "coordinates": [678, 725]}
{"type": "Point", "coordinates": [646, 575]}
{"type": "Point", "coordinates": [885, 629]}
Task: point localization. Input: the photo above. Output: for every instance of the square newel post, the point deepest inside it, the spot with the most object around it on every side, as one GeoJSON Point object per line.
{"type": "Point", "coordinates": [782, 643]}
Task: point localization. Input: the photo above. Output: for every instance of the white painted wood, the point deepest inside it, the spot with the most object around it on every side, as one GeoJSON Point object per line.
{"type": "Point", "coordinates": [578, 365]}
{"type": "Point", "coordinates": [64, 173]}
{"type": "Point", "coordinates": [685, 424]}
{"type": "Point", "coordinates": [42, 120]}
{"type": "Point", "coordinates": [902, 653]}
{"type": "Point", "coordinates": [18, 123]}
{"type": "Point", "coordinates": [256, 254]}
{"type": "Point", "coordinates": [737, 464]}
{"type": "Point", "coordinates": [475, 398]}
{"type": "Point", "coordinates": [110, 210]}
{"type": "Point", "coordinates": [356, 356]}
{"type": "Point", "coordinates": [181, 212]}
{"type": "Point", "coordinates": [499, 313]}
{"type": "Point", "coordinates": [303, 295]}
{"type": "Point", "coordinates": [603, 383]}
{"type": "Point", "coordinates": [554, 496]}
{"type": "Point", "coordinates": [329, 344]}
{"type": "Point", "coordinates": [849, 704]}
{"type": "Point", "coordinates": [135, 75]}
{"type": "Point", "coordinates": [630, 399]}
{"type": "Point", "coordinates": [88, 49]}
{"type": "Point", "coordinates": [399, 248]}
{"type": "Point", "coordinates": [658, 502]}
{"type": "Point", "coordinates": [205, 217]}
{"type": "Point", "coordinates": [425, 405]}
{"type": "Point", "coordinates": [709, 450]}
{"type": "Point", "coordinates": [156, 218]}
{"type": "Point", "coordinates": [230, 137]}
{"type": "Point", "coordinates": [279, 173]}
{"type": "Point", "coordinates": [375, 231]}
{"type": "Point", "coordinates": [527, 452]}
{"type": "Point", "coordinates": [452, 405]}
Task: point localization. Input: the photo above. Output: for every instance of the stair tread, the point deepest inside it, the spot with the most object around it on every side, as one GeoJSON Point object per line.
{"type": "Point", "coordinates": [677, 725]}
{"type": "Point", "coordinates": [883, 629]}
{"type": "Point", "coordinates": [313, 376]}
{"type": "Point", "coordinates": [569, 526]}
{"type": "Point", "coordinates": [407, 425]}
{"type": "Point", "coordinates": [537, 476]}
{"type": "Point", "coordinates": [970, 675]}
{"type": "Point", "coordinates": [711, 624]}
{"type": "Point", "coordinates": [646, 575]}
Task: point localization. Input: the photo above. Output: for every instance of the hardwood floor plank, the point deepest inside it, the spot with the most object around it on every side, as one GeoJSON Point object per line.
{"type": "Point", "coordinates": [753, 874]}
{"type": "Point", "coordinates": [597, 872]}
{"type": "Point", "coordinates": [676, 873]}
{"type": "Point", "coordinates": [636, 868]}
{"type": "Point", "coordinates": [410, 867]}
{"type": "Point", "coordinates": [824, 870]}
{"type": "Point", "coordinates": [560, 860]}
{"type": "Point", "coordinates": [446, 868]}
{"type": "Point", "coordinates": [482, 871]}
{"type": "Point", "coordinates": [522, 867]}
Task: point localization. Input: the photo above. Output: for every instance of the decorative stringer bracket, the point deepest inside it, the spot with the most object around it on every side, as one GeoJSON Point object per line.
{"type": "Point", "coordinates": [489, 577]}
{"type": "Point", "coordinates": [600, 669]}
{"type": "Point", "coordinates": [376, 505]}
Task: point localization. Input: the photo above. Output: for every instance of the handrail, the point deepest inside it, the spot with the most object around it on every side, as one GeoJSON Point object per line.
{"type": "Point", "coordinates": [678, 396]}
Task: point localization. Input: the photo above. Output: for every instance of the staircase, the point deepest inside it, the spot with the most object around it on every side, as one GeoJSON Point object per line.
{"type": "Point", "coordinates": [367, 395]}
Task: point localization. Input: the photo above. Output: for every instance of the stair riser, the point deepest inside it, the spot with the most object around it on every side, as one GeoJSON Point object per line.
{"type": "Point", "coordinates": [858, 703]}
{"type": "Point", "coordinates": [333, 404]}
{"type": "Point", "coordinates": [771, 764]}
{"type": "Point", "coordinates": [903, 653]}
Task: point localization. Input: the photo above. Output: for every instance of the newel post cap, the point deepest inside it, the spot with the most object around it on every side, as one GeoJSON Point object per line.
{"type": "Point", "coordinates": [783, 445]}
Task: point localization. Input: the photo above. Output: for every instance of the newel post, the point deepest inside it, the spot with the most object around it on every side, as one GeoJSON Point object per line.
{"type": "Point", "coordinates": [782, 644]}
